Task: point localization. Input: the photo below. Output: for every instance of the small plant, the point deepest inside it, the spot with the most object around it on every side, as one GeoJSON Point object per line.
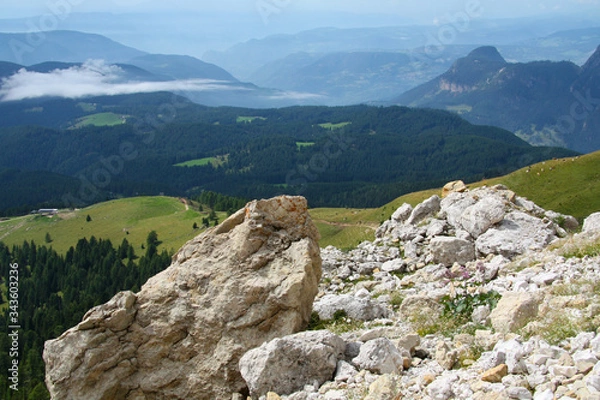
{"type": "Point", "coordinates": [340, 323]}
{"type": "Point", "coordinates": [396, 300]}
{"type": "Point", "coordinates": [560, 329]}
{"type": "Point", "coordinates": [88, 218]}
{"type": "Point", "coordinates": [591, 250]}
{"type": "Point", "coordinates": [461, 307]}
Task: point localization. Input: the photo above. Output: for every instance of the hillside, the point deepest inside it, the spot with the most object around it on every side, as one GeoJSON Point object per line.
{"type": "Point", "coordinates": [355, 156]}
{"type": "Point", "coordinates": [65, 46]}
{"type": "Point", "coordinates": [569, 186]}
{"type": "Point", "coordinates": [130, 219]}
{"type": "Point", "coordinates": [543, 102]}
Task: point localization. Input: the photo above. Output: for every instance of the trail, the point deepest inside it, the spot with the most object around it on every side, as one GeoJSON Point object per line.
{"type": "Point", "coordinates": [14, 228]}
{"type": "Point", "coordinates": [369, 225]}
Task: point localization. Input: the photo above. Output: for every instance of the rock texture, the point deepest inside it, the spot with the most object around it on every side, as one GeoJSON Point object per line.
{"type": "Point", "coordinates": [488, 297]}
{"type": "Point", "coordinates": [249, 280]}
{"type": "Point", "coordinates": [285, 365]}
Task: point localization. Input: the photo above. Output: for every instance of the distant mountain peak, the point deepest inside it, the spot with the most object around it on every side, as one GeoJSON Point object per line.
{"type": "Point", "coordinates": [593, 62]}
{"type": "Point", "coordinates": [486, 53]}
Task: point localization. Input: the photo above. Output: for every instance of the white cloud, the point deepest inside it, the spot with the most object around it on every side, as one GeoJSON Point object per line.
{"type": "Point", "coordinates": [93, 78]}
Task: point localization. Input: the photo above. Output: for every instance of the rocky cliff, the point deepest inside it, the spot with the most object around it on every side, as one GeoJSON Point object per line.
{"type": "Point", "coordinates": [249, 280]}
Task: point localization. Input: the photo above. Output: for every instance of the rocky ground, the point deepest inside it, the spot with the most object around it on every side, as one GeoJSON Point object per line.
{"type": "Point", "coordinates": [479, 295]}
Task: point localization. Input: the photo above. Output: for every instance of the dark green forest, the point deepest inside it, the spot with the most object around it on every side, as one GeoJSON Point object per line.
{"type": "Point", "coordinates": [355, 156]}
{"type": "Point", "coordinates": [55, 291]}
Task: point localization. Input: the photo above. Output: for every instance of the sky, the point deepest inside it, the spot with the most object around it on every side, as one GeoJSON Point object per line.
{"type": "Point", "coordinates": [195, 27]}
{"type": "Point", "coordinates": [167, 26]}
{"type": "Point", "coordinates": [422, 10]}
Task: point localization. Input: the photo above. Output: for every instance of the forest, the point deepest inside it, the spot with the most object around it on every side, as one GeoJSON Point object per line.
{"type": "Point", "coordinates": [55, 291]}
{"type": "Point", "coordinates": [355, 156]}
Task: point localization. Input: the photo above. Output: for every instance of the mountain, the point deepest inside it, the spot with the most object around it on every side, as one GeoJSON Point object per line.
{"type": "Point", "coordinates": [575, 45]}
{"type": "Point", "coordinates": [354, 77]}
{"type": "Point", "coordinates": [87, 54]}
{"type": "Point", "coordinates": [64, 46]}
{"type": "Point", "coordinates": [181, 67]}
{"type": "Point", "coordinates": [547, 103]}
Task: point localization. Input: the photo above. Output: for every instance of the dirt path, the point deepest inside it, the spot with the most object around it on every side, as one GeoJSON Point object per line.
{"type": "Point", "coordinates": [14, 228]}
{"type": "Point", "coordinates": [368, 225]}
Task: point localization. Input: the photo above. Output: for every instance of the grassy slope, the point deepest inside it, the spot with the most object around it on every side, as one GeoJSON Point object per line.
{"type": "Point", "coordinates": [102, 119]}
{"type": "Point", "coordinates": [111, 220]}
{"type": "Point", "coordinates": [570, 186]}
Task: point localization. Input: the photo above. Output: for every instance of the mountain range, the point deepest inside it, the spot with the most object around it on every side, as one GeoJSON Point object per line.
{"type": "Point", "coordinates": [45, 52]}
{"type": "Point", "coordinates": [544, 102]}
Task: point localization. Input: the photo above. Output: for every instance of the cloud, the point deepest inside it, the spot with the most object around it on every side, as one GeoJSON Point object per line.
{"type": "Point", "coordinates": [94, 78]}
{"type": "Point", "coordinates": [290, 95]}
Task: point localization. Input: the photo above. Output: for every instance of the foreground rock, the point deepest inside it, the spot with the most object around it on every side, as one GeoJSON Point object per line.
{"type": "Point", "coordinates": [286, 365]}
{"type": "Point", "coordinates": [245, 282]}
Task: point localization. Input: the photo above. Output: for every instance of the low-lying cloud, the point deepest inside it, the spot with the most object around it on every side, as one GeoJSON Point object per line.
{"type": "Point", "coordinates": [94, 78]}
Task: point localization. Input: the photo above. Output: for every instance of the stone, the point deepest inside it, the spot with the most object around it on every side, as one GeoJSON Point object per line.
{"type": "Point", "coordinates": [545, 278]}
{"type": "Point", "coordinates": [362, 309]}
{"type": "Point", "coordinates": [335, 395]}
{"type": "Point", "coordinates": [517, 234]}
{"type": "Point", "coordinates": [478, 218]}
{"type": "Point", "coordinates": [441, 388]}
{"type": "Point", "coordinates": [513, 311]}
{"type": "Point", "coordinates": [519, 393]}
{"type": "Point", "coordinates": [384, 388]}
{"type": "Point", "coordinates": [380, 356]}
{"type": "Point", "coordinates": [418, 306]}
{"type": "Point", "coordinates": [445, 356]}
{"type": "Point", "coordinates": [344, 371]}
{"type": "Point", "coordinates": [592, 223]}
{"type": "Point", "coordinates": [273, 396]}
{"type": "Point", "coordinates": [480, 314]}
{"type": "Point", "coordinates": [409, 342]}
{"type": "Point", "coordinates": [593, 382]}
{"type": "Point", "coordinates": [584, 360]}
{"type": "Point", "coordinates": [453, 187]}
{"type": "Point", "coordinates": [435, 228]}
{"type": "Point", "coordinates": [495, 374]}
{"type": "Point", "coordinates": [543, 395]}
{"type": "Point", "coordinates": [402, 213]}
{"type": "Point", "coordinates": [249, 280]}
{"type": "Point", "coordinates": [561, 370]}
{"type": "Point", "coordinates": [450, 250]}
{"type": "Point", "coordinates": [514, 353]}
{"type": "Point", "coordinates": [395, 265]}
{"type": "Point", "coordinates": [428, 208]}
{"type": "Point", "coordinates": [285, 365]}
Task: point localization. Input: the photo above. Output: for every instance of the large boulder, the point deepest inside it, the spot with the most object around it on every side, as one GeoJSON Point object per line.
{"type": "Point", "coordinates": [287, 364]}
{"type": "Point", "coordinates": [249, 280]}
{"type": "Point", "coordinates": [516, 234]}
